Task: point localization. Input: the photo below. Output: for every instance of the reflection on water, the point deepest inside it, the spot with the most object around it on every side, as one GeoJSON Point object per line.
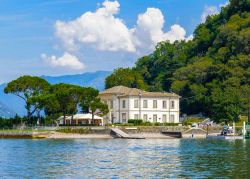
{"type": "Point", "coordinates": [86, 158]}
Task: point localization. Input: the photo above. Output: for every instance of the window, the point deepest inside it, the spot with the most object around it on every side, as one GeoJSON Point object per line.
{"type": "Point", "coordinates": [111, 104]}
{"type": "Point", "coordinates": [164, 118]}
{"type": "Point", "coordinates": [112, 117]}
{"type": "Point", "coordinates": [124, 120]}
{"type": "Point", "coordinates": [136, 103]}
{"type": "Point", "coordinates": [145, 117]}
{"type": "Point", "coordinates": [155, 104]}
{"type": "Point", "coordinates": [172, 118]}
{"type": "Point", "coordinates": [123, 104]}
{"type": "Point", "coordinates": [154, 118]}
{"type": "Point", "coordinates": [164, 104]}
{"type": "Point", "coordinates": [136, 116]}
{"type": "Point", "coordinates": [172, 104]}
{"type": "Point", "coordinates": [145, 103]}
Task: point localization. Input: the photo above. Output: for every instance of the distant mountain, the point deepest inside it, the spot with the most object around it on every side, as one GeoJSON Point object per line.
{"type": "Point", "coordinates": [92, 79]}
{"type": "Point", "coordinates": [12, 104]}
{"type": "Point", "coordinates": [5, 112]}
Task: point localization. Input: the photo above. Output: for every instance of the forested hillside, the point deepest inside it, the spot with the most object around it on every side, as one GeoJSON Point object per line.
{"type": "Point", "coordinates": [210, 72]}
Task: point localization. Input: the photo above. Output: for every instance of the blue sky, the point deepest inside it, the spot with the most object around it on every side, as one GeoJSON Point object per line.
{"type": "Point", "coordinates": [35, 35]}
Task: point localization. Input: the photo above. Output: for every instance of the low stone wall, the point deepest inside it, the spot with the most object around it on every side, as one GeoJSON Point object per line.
{"type": "Point", "coordinates": [141, 129]}
{"type": "Point", "coordinates": [99, 131]}
{"type": "Point", "coordinates": [153, 129]}
{"type": "Point", "coordinates": [105, 130]}
{"type": "Point", "coordinates": [86, 129]}
{"type": "Point", "coordinates": [23, 135]}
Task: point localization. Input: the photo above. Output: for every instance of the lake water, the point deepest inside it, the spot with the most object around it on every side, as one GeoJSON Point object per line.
{"type": "Point", "coordinates": [117, 158]}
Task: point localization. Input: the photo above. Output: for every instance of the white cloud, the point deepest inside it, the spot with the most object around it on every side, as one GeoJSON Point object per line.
{"type": "Point", "coordinates": [67, 61]}
{"type": "Point", "coordinates": [149, 30]}
{"type": "Point", "coordinates": [101, 29]}
{"type": "Point", "coordinates": [176, 33]}
{"type": "Point", "coordinates": [208, 10]}
{"type": "Point", "coordinates": [104, 31]}
{"type": "Point", "coordinates": [224, 4]}
{"type": "Point", "coordinates": [190, 37]}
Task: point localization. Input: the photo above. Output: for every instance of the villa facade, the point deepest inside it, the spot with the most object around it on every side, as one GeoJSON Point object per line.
{"type": "Point", "coordinates": [131, 103]}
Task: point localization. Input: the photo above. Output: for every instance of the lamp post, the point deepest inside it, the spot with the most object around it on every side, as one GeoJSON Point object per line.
{"type": "Point", "coordinates": [139, 104]}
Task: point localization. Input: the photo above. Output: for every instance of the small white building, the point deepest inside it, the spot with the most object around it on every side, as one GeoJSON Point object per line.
{"type": "Point", "coordinates": [131, 103]}
{"type": "Point", "coordinates": [79, 119]}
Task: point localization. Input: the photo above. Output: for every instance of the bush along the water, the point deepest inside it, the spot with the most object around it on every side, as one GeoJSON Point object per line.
{"type": "Point", "coordinates": [74, 130]}
{"type": "Point", "coordinates": [133, 122]}
{"type": "Point", "coordinates": [9, 123]}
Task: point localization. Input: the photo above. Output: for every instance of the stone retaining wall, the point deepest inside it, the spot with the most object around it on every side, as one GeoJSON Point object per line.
{"type": "Point", "coordinates": [23, 135]}
{"type": "Point", "coordinates": [153, 129]}
{"type": "Point", "coordinates": [106, 130]}
{"type": "Point", "coordinates": [141, 129]}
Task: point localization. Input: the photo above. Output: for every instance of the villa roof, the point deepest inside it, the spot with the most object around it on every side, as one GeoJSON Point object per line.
{"type": "Point", "coordinates": [125, 91]}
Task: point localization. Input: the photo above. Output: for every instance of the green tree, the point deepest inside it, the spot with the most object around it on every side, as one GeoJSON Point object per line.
{"type": "Point", "coordinates": [158, 68]}
{"type": "Point", "coordinates": [245, 99]}
{"type": "Point", "coordinates": [87, 96]}
{"type": "Point", "coordinates": [91, 103]}
{"type": "Point", "coordinates": [225, 104]}
{"type": "Point", "coordinates": [26, 87]}
{"type": "Point", "coordinates": [125, 77]}
{"type": "Point", "coordinates": [75, 94]}
{"type": "Point", "coordinates": [98, 107]}
{"type": "Point", "coordinates": [48, 102]}
{"type": "Point", "coordinates": [210, 71]}
{"type": "Point", "coordinates": [67, 97]}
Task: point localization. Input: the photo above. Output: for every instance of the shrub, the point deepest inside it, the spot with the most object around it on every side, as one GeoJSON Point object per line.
{"type": "Point", "coordinates": [157, 124]}
{"type": "Point", "coordinates": [74, 130]}
{"type": "Point", "coordinates": [126, 124]}
{"type": "Point", "coordinates": [146, 124]}
{"type": "Point", "coordinates": [170, 124]}
{"type": "Point", "coordinates": [136, 122]}
{"type": "Point", "coordinates": [191, 121]}
{"type": "Point", "coordinates": [133, 122]}
{"type": "Point", "coordinates": [78, 125]}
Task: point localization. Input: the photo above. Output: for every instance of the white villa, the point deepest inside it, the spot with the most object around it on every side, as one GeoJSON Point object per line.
{"type": "Point", "coordinates": [132, 103]}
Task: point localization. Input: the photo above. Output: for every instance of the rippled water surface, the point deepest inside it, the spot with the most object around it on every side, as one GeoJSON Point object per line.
{"type": "Point", "coordinates": [117, 158]}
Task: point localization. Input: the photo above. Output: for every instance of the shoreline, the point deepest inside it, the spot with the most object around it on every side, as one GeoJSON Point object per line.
{"type": "Point", "coordinates": [60, 135]}
{"type": "Point", "coordinates": [108, 133]}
